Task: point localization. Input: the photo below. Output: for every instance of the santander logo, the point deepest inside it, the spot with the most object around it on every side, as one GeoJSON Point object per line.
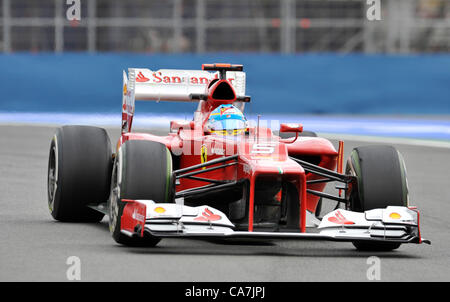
{"type": "Point", "coordinates": [207, 215]}
{"type": "Point", "coordinates": [141, 78]}
{"type": "Point", "coordinates": [338, 218]}
{"type": "Point", "coordinates": [138, 216]}
{"type": "Point", "coordinates": [171, 78]}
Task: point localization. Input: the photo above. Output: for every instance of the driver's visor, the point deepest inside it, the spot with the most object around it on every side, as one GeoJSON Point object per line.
{"type": "Point", "coordinates": [229, 132]}
{"type": "Point", "coordinates": [227, 124]}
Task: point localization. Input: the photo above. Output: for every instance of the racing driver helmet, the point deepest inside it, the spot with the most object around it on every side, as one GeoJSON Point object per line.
{"type": "Point", "coordinates": [227, 120]}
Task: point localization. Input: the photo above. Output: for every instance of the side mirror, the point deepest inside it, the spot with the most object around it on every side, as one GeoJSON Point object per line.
{"type": "Point", "coordinates": [291, 127]}
{"type": "Point", "coordinates": [175, 126]}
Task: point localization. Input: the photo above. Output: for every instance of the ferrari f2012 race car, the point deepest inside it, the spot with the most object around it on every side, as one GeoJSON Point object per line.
{"type": "Point", "coordinates": [219, 176]}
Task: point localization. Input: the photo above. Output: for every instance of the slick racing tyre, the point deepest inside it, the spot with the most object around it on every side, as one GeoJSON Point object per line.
{"type": "Point", "coordinates": [382, 182]}
{"type": "Point", "coordinates": [79, 170]}
{"type": "Point", "coordinates": [301, 134]}
{"type": "Point", "coordinates": [142, 170]}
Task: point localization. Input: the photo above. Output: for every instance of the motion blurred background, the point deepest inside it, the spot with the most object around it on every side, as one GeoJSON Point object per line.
{"type": "Point", "coordinates": [310, 60]}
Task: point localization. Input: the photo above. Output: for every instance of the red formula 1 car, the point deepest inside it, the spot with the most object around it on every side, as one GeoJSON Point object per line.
{"type": "Point", "coordinates": [217, 176]}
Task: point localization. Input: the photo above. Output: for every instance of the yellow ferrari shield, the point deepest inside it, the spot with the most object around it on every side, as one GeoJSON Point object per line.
{"type": "Point", "coordinates": [203, 155]}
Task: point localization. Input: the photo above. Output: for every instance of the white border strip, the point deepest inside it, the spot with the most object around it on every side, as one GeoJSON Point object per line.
{"type": "Point", "coordinates": [343, 126]}
{"type": "Point", "coordinates": [389, 140]}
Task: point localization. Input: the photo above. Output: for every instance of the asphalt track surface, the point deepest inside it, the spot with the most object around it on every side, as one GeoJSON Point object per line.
{"type": "Point", "coordinates": [34, 247]}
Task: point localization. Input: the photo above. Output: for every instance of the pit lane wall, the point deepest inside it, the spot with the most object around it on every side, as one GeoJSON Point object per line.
{"type": "Point", "coordinates": [294, 84]}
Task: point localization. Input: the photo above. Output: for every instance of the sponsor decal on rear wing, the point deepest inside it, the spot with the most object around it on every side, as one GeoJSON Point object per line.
{"type": "Point", "coordinates": [177, 85]}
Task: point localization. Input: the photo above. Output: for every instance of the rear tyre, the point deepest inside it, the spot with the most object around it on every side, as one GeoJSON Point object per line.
{"type": "Point", "coordinates": [79, 170]}
{"type": "Point", "coordinates": [382, 182]}
{"type": "Point", "coordinates": [142, 170]}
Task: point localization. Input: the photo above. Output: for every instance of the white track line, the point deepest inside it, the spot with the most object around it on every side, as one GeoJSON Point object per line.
{"type": "Point", "coordinates": [334, 136]}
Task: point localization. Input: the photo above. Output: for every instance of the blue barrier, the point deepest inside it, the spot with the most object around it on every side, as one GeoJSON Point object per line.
{"type": "Point", "coordinates": [297, 84]}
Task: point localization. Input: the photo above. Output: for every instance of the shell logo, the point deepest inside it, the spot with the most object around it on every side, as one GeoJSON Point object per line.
{"type": "Point", "coordinates": [395, 215]}
{"type": "Point", "coordinates": [159, 210]}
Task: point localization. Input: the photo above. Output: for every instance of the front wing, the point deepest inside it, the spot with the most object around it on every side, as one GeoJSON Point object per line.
{"type": "Point", "coordinates": [164, 220]}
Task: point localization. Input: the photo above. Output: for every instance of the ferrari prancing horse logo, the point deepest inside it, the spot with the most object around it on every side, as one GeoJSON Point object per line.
{"type": "Point", "coordinates": [203, 155]}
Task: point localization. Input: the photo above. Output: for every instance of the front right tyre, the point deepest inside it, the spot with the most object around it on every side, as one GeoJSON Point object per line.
{"type": "Point", "coordinates": [381, 174]}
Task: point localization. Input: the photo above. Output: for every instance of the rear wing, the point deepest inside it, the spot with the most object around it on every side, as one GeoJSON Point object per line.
{"type": "Point", "coordinates": [177, 85]}
{"type": "Point", "coordinates": [173, 85]}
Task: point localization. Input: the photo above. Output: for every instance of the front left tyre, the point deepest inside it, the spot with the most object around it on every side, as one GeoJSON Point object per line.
{"type": "Point", "coordinates": [142, 170]}
{"type": "Point", "coordinates": [79, 169]}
